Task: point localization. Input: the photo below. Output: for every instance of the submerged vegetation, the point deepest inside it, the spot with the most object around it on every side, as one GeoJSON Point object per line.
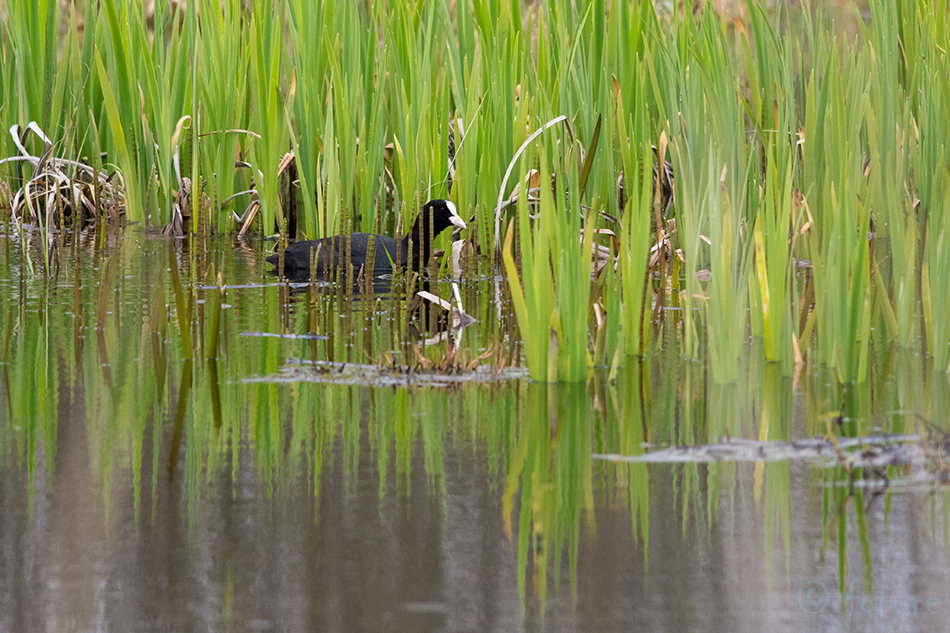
{"type": "Point", "coordinates": [808, 203]}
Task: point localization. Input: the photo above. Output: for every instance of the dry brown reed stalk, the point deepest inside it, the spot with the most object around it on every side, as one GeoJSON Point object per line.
{"type": "Point", "coordinates": [61, 189]}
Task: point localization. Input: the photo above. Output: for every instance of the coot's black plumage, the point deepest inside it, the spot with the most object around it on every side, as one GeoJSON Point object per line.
{"type": "Point", "coordinates": [330, 251]}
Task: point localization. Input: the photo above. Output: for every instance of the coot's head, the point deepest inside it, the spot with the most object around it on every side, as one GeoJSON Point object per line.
{"type": "Point", "coordinates": [443, 213]}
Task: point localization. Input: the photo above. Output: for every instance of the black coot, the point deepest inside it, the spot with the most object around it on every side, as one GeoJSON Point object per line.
{"type": "Point", "coordinates": [332, 250]}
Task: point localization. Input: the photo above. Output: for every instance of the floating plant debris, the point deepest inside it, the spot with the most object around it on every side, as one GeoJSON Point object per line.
{"type": "Point", "coordinates": [300, 370]}
{"type": "Point", "coordinates": [309, 336]}
{"type": "Point", "coordinates": [856, 452]}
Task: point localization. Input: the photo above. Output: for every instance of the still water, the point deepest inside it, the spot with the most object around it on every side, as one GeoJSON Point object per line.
{"type": "Point", "coordinates": [269, 481]}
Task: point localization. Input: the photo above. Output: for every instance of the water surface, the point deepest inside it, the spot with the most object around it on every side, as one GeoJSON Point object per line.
{"type": "Point", "coordinates": [143, 490]}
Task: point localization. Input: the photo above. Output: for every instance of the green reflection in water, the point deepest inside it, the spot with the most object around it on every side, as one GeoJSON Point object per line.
{"type": "Point", "coordinates": [552, 475]}
{"type": "Point", "coordinates": [151, 410]}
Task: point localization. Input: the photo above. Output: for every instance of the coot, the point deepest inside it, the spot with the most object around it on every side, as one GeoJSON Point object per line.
{"type": "Point", "coordinates": [297, 256]}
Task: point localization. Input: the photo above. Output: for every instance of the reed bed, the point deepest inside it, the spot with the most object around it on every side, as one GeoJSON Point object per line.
{"type": "Point", "coordinates": [807, 206]}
